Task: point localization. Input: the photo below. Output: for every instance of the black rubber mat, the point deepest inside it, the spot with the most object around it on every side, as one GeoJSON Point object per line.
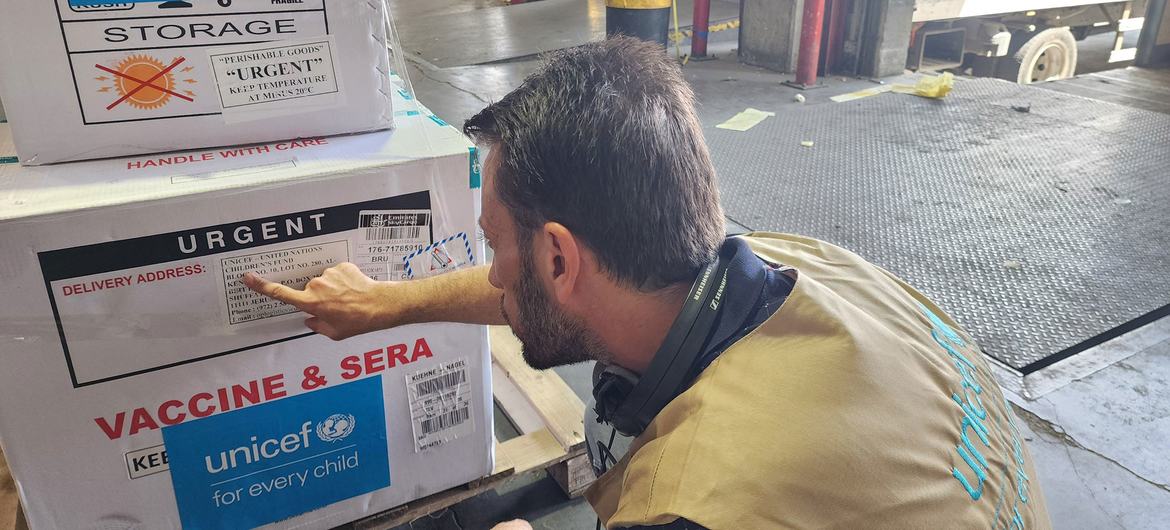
{"type": "Point", "coordinates": [1044, 232]}
{"type": "Point", "coordinates": [1141, 88]}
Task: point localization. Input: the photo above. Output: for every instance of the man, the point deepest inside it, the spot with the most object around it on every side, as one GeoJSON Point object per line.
{"type": "Point", "coordinates": [772, 381]}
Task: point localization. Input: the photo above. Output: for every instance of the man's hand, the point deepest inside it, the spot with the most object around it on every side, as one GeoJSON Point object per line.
{"type": "Point", "coordinates": [341, 303]}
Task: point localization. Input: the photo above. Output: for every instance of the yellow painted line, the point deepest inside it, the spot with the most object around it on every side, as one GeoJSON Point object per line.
{"type": "Point", "coordinates": [678, 36]}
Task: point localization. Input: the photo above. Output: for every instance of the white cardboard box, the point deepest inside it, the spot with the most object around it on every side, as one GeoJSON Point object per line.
{"type": "Point", "coordinates": [143, 387]}
{"type": "Point", "coordinates": [84, 79]}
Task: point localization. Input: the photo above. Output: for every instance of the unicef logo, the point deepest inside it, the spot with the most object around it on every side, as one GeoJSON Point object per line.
{"type": "Point", "coordinates": [335, 427]}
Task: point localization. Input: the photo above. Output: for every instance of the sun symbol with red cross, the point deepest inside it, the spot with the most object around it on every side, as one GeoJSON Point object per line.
{"type": "Point", "coordinates": [145, 82]}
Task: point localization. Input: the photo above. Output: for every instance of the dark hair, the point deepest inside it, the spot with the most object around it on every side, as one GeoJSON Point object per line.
{"type": "Point", "coordinates": [604, 139]}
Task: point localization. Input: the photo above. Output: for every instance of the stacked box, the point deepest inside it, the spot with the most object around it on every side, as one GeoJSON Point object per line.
{"type": "Point", "coordinates": [144, 386]}
{"type": "Point", "coordinates": [84, 79]}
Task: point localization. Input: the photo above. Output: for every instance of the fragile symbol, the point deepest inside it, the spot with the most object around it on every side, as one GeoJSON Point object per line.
{"type": "Point", "coordinates": [143, 82]}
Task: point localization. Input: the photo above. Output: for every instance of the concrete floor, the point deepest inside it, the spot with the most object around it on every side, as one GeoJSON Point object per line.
{"type": "Point", "coordinates": [505, 33]}
{"type": "Point", "coordinates": [1097, 424]}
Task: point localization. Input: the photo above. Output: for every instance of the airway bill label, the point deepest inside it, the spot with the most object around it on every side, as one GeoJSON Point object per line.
{"type": "Point", "coordinates": [387, 237]}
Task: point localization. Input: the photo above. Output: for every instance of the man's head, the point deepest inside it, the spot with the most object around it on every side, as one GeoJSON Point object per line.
{"type": "Point", "coordinates": [597, 178]}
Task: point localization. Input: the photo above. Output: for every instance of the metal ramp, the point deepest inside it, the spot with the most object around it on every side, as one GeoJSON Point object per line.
{"type": "Point", "coordinates": [1044, 232]}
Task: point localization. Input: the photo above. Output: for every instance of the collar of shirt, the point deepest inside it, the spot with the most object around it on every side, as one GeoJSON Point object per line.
{"type": "Point", "coordinates": [755, 290]}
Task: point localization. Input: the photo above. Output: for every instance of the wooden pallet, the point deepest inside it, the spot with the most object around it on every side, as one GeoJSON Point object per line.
{"type": "Point", "coordinates": [545, 411]}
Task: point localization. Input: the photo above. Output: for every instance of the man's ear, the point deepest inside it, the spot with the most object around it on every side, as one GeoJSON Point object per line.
{"type": "Point", "coordinates": [563, 260]}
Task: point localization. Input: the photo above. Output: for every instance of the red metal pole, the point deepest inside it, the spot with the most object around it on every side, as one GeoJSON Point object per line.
{"type": "Point", "coordinates": [700, 27]}
{"type": "Point", "coordinates": [810, 42]}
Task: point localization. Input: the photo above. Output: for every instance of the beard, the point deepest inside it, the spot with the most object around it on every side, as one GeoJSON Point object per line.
{"type": "Point", "coordinates": [548, 336]}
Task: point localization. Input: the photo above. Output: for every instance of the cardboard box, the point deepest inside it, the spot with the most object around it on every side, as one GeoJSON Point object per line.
{"type": "Point", "coordinates": [144, 386]}
{"type": "Point", "coordinates": [84, 79]}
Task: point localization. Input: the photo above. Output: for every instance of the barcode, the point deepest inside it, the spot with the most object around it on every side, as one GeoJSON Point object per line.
{"type": "Point", "coordinates": [438, 384]}
{"type": "Point", "coordinates": [393, 232]}
{"type": "Point", "coordinates": [446, 421]}
{"type": "Point", "coordinates": [397, 267]}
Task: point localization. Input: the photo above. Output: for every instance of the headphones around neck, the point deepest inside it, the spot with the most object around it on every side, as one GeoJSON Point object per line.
{"type": "Point", "coordinates": [629, 402]}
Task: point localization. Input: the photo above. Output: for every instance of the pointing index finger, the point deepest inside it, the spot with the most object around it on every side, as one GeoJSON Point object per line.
{"type": "Point", "coordinates": [283, 293]}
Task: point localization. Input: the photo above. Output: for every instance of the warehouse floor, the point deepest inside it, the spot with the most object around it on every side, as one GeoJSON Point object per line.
{"type": "Point", "coordinates": [1096, 422]}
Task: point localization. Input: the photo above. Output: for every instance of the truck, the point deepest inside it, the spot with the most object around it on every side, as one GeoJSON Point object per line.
{"type": "Point", "coordinates": [1027, 41]}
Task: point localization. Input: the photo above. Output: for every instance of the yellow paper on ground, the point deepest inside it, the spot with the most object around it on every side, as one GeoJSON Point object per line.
{"type": "Point", "coordinates": [929, 87]}
{"type": "Point", "coordinates": [745, 120]}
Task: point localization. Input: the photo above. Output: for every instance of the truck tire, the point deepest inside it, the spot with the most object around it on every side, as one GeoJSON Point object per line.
{"type": "Point", "coordinates": [1048, 55]}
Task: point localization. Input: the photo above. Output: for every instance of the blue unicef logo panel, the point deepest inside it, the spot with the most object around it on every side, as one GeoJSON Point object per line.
{"type": "Point", "coordinates": [269, 462]}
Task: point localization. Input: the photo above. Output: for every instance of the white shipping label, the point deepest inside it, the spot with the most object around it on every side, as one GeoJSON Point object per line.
{"type": "Point", "coordinates": [386, 237]}
{"type": "Point", "coordinates": [276, 74]}
{"type": "Point", "coordinates": [131, 306]}
{"type": "Point", "coordinates": [147, 60]}
{"type": "Point", "coordinates": [440, 400]}
{"type": "Point", "coordinates": [292, 267]}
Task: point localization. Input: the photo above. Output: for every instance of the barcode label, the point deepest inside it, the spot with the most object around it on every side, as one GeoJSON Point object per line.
{"type": "Point", "coordinates": [442, 383]}
{"type": "Point", "coordinates": [441, 402]}
{"type": "Point", "coordinates": [446, 421]}
{"type": "Point", "coordinates": [385, 238]}
{"type": "Point", "coordinates": [393, 232]}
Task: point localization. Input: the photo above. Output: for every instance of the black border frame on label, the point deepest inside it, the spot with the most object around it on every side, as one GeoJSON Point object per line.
{"type": "Point", "coordinates": [73, 72]}
{"type": "Point", "coordinates": [65, 344]}
{"type": "Point", "coordinates": [332, 67]}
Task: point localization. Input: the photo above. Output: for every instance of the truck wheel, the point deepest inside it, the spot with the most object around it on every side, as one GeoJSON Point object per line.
{"type": "Point", "coordinates": [1047, 56]}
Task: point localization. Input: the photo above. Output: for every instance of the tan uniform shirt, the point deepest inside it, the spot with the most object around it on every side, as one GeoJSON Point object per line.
{"type": "Point", "coordinates": [858, 404]}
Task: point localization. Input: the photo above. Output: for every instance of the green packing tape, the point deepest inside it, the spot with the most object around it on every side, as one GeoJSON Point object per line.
{"type": "Point", "coordinates": [474, 179]}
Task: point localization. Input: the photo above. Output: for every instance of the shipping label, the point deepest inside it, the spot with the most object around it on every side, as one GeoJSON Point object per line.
{"type": "Point", "coordinates": [132, 306]}
{"type": "Point", "coordinates": [293, 267]}
{"type": "Point", "coordinates": [266, 463]}
{"type": "Point", "coordinates": [440, 404]}
{"type": "Point", "coordinates": [274, 74]}
{"type": "Point", "coordinates": [139, 60]}
{"type": "Point", "coordinates": [387, 237]}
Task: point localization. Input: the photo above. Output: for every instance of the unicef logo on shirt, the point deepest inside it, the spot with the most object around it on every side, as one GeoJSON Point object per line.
{"type": "Point", "coordinates": [335, 427]}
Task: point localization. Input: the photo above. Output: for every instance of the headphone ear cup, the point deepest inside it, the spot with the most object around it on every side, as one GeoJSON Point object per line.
{"type": "Point", "coordinates": [611, 385]}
